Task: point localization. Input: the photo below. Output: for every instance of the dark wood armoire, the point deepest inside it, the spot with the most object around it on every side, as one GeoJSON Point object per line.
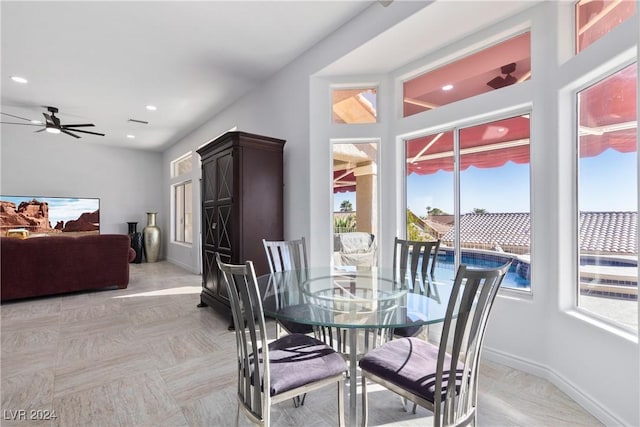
{"type": "Point", "coordinates": [241, 194]}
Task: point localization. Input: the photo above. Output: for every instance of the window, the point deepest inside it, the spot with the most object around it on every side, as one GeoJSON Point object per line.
{"type": "Point", "coordinates": [182, 199]}
{"type": "Point", "coordinates": [355, 199]}
{"type": "Point", "coordinates": [183, 212]}
{"type": "Point", "coordinates": [354, 105]}
{"type": "Point", "coordinates": [494, 192]}
{"type": "Point", "coordinates": [595, 18]}
{"type": "Point", "coordinates": [498, 66]}
{"type": "Point", "coordinates": [182, 165]}
{"type": "Point", "coordinates": [607, 197]}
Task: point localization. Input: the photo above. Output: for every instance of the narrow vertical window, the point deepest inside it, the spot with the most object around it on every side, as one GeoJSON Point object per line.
{"type": "Point", "coordinates": [607, 198]}
{"type": "Point", "coordinates": [355, 203]}
{"type": "Point", "coordinates": [182, 198]}
{"type": "Point", "coordinates": [183, 212]}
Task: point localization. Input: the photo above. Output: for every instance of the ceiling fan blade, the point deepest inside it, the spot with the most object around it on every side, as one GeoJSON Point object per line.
{"type": "Point", "coordinates": [21, 124]}
{"type": "Point", "coordinates": [15, 117]}
{"type": "Point", "coordinates": [496, 83]}
{"type": "Point", "coordinates": [85, 131]}
{"type": "Point", "coordinates": [41, 130]}
{"type": "Point", "coordinates": [69, 133]}
{"type": "Point", "coordinates": [78, 126]}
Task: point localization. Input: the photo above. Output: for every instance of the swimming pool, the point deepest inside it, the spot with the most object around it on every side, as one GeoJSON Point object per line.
{"type": "Point", "coordinates": [518, 276]}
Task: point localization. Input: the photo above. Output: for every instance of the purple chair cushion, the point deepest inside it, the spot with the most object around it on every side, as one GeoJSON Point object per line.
{"type": "Point", "coordinates": [297, 360]}
{"type": "Point", "coordinates": [409, 363]}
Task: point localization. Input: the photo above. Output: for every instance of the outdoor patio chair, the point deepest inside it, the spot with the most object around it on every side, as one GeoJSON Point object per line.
{"type": "Point", "coordinates": [283, 369]}
{"type": "Point", "coordinates": [445, 382]}
{"type": "Point", "coordinates": [355, 249]}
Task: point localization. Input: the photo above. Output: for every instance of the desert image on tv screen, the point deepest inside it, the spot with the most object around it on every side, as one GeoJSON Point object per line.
{"type": "Point", "coordinates": [50, 215]}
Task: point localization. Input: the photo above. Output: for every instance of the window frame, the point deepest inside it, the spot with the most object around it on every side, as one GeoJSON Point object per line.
{"type": "Point", "coordinates": [183, 214]}
{"type": "Point", "coordinates": [594, 78]}
{"type": "Point", "coordinates": [456, 127]}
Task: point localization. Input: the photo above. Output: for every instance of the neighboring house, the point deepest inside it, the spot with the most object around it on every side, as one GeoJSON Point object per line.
{"type": "Point", "coordinates": [600, 232]}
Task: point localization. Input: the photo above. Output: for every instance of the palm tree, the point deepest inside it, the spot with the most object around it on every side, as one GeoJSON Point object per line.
{"type": "Point", "coordinates": [346, 206]}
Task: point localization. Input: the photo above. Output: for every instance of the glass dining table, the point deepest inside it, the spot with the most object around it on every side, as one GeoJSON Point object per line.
{"type": "Point", "coordinates": [355, 307]}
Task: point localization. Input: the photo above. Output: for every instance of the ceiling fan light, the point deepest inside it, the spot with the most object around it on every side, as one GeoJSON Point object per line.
{"type": "Point", "coordinates": [53, 130]}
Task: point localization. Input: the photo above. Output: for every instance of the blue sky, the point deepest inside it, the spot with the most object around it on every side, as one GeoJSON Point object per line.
{"type": "Point", "coordinates": [60, 209]}
{"type": "Point", "coordinates": [607, 183]}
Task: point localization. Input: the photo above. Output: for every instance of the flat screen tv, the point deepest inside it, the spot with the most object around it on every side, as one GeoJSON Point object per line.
{"type": "Point", "coordinates": [39, 215]}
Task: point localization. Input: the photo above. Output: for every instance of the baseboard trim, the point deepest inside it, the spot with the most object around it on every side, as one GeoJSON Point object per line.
{"type": "Point", "coordinates": [579, 396]}
{"type": "Point", "coordinates": [182, 265]}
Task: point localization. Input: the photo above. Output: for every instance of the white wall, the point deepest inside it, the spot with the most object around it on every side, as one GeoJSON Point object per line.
{"type": "Point", "coordinates": [126, 181]}
{"type": "Point", "coordinates": [280, 108]}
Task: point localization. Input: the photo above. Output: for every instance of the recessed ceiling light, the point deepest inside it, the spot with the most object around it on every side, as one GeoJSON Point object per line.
{"type": "Point", "coordinates": [53, 130]}
{"type": "Point", "coordinates": [151, 107]}
{"type": "Point", "coordinates": [447, 87]}
{"type": "Point", "coordinates": [131, 136]}
{"type": "Point", "coordinates": [19, 79]}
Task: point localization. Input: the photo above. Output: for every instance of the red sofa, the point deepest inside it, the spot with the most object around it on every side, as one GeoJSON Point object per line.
{"type": "Point", "coordinates": [41, 266]}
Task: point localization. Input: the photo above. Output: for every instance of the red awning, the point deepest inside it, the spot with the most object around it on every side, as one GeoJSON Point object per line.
{"type": "Point", "coordinates": [485, 146]}
{"type": "Point", "coordinates": [344, 181]}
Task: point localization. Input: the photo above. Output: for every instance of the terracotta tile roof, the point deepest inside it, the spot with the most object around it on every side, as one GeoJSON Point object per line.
{"type": "Point", "coordinates": [614, 232]}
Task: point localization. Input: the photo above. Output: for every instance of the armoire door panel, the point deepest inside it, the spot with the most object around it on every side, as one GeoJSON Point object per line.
{"type": "Point", "coordinates": [209, 226]}
{"type": "Point", "coordinates": [224, 228]}
{"type": "Point", "coordinates": [224, 176]}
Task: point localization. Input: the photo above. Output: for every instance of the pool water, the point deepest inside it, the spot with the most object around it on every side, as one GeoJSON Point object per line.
{"type": "Point", "coordinates": [517, 277]}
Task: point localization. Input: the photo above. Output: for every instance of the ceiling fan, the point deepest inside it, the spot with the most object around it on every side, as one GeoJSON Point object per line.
{"type": "Point", "coordinates": [52, 124]}
{"type": "Point", "coordinates": [499, 81]}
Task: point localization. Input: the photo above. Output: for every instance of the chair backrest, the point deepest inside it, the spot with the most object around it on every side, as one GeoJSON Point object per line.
{"type": "Point", "coordinates": [286, 255]}
{"type": "Point", "coordinates": [413, 258]}
{"type": "Point", "coordinates": [246, 308]}
{"type": "Point", "coordinates": [472, 296]}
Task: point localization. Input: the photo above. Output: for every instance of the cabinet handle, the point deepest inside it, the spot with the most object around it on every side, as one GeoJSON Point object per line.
{"type": "Point", "coordinates": [213, 226]}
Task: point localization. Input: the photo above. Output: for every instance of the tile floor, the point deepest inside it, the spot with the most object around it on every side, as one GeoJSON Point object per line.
{"type": "Point", "coordinates": [147, 356]}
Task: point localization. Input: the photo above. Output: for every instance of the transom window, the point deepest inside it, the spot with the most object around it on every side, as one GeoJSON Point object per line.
{"type": "Point", "coordinates": [493, 68]}
{"type": "Point", "coordinates": [182, 165]}
{"type": "Point", "coordinates": [595, 18]}
{"type": "Point", "coordinates": [355, 105]}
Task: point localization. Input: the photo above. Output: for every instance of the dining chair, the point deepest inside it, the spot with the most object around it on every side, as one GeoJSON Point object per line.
{"type": "Point", "coordinates": [269, 373]}
{"type": "Point", "coordinates": [415, 262]}
{"type": "Point", "coordinates": [288, 255]}
{"type": "Point", "coordinates": [445, 381]}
